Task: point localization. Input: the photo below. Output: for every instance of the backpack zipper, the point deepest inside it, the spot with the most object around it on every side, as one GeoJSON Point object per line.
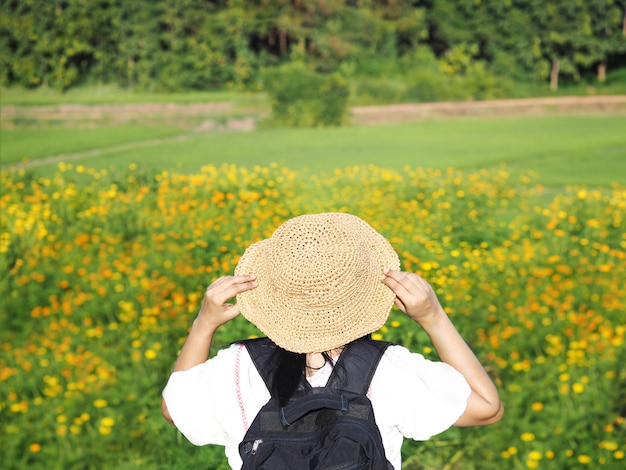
{"type": "Point", "coordinates": [255, 446]}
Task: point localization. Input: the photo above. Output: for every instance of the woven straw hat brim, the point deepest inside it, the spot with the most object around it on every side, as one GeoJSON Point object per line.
{"type": "Point", "coordinates": [319, 282]}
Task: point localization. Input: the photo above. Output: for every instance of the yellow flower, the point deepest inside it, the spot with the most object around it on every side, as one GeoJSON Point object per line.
{"type": "Point", "coordinates": [535, 455]}
{"type": "Point", "coordinates": [537, 406]}
{"type": "Point", "coordinates": [608, 445]}
{"type": "Point", "coordinates": [107, 422]}
{"type": "Point", "coordinates": [150, 354]}
{"type": "Point", "coordinates": [527, 437]}
{"type": "Point", "coordinates": [100, 403]}
{"type": "Point", "coordinates": [21, 407]}
{"type": "Point", "coordinates": [584, 459]}
{"type": "Point", "coordinates": [578, 388]}
{"type": "Point", "coordinates": [619, 455]}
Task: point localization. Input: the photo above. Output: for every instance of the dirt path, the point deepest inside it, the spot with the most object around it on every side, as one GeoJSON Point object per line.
{"type": "Point", "coordinates": [206, 115]}
{"type": "Point", "coordinates": [218, 117]}
{"type": "Point", "coordinates": [368, 115]}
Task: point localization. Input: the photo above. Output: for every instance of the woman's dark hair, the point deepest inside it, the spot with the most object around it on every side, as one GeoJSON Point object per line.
{"type": "Point", "coordinates": [290, 371]}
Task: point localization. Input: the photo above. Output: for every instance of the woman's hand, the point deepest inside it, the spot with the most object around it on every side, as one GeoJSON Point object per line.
{"type": "Point", "coordinates": [414, 296]}
{"type": "Point", "coordinates": [214, 312]}
{"type": "Point", "coordinates": [215, 309]}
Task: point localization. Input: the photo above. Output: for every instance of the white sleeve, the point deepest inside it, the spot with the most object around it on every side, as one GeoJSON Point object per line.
{"type": "Point", "coordinates": [419, 397]}
{"type": "Point", "coordinates": [194, 398]}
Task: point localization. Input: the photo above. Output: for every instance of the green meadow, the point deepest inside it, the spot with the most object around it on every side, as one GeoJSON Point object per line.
{"type": "Point", "coordinates": [562, 149]}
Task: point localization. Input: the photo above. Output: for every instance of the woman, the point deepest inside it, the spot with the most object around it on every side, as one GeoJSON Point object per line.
{"type": "Point", "coordinates": [318, 283]}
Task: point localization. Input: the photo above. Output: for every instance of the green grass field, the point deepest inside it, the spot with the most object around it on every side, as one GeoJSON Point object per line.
{"type": "Point", "coordinates": [32, 144]}
{"type": "Point", "coordinates": [562, 149]}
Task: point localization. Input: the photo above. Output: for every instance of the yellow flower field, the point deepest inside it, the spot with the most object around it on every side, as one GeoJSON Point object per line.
{"type": "Point", "coordinates": [102, 272]}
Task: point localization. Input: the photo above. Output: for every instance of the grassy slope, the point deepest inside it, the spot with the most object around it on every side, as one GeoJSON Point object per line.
{"type": "Point", "coordinates": [563, 149]}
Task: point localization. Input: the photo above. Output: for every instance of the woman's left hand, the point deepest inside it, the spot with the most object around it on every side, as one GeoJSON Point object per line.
{"type": "Point", "coordinates": [414, 296]}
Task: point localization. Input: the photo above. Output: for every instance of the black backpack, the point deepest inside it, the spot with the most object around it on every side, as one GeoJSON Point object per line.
{"type": "Point", "coordinates": [331, 427]}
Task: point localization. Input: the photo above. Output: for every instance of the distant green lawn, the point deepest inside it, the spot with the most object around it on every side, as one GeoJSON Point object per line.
{"type": "Point", "coordinates": [562, 149]}
{"type": "Point", "coordinates": [31, 144]}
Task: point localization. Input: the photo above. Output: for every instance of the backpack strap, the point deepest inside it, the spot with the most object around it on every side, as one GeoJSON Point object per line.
{"type": "Point", "coordinates": [261, 351]}
{"type": "Point", "coordinates": [353, 371]}
{"type": "Point", "coordinates": [356, 366]}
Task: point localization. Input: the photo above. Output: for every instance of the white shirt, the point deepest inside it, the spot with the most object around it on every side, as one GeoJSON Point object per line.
{"type": "Point", "coordinates": [215, 402]}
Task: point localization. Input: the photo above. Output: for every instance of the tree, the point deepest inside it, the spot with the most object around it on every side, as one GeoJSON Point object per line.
{"type": "Point", "coordinates": [579, 36]}
{"type": "Point", "coordinates": [607, 24]}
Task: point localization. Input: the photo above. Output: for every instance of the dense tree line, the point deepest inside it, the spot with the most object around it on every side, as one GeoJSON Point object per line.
{"type": "Point", "coordinates": [212, 44]}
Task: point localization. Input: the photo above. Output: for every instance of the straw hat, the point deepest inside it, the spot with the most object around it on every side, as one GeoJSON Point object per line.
{"type": "Point", "coordinates": [319, 282]}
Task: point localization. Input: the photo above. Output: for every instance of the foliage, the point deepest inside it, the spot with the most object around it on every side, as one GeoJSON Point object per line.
{"type": "Point", "coordinates": [208, 45]}
{"type": "Point", "coordinates": [303, 98]}
{"type": "Point", "coordinates": [103, 271]}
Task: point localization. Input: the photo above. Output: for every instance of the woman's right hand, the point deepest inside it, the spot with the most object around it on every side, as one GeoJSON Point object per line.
{"type": "Point", "coordinates": [215, 309]}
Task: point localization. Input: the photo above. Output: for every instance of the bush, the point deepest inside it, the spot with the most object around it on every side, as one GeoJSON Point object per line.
{"type": "Point", "coordinates": [303, 98]}
{"type": "Point", "coordinates": [373, 91]}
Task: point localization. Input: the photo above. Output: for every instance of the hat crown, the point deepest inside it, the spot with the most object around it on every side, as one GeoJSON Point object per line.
{"type": "Point", "coordinates": [310, 258]}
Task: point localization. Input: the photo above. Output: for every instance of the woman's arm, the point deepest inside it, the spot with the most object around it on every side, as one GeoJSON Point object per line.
{"type": "Point", "coordinates": [416, 298]}
{"type": "Point", "coordinates": [214, 312]}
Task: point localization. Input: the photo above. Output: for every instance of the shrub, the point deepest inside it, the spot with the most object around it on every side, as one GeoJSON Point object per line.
{"type": "Point", "coordinates": [303, 98]}
{"type": "Point", "coordinates": [372, 91]}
